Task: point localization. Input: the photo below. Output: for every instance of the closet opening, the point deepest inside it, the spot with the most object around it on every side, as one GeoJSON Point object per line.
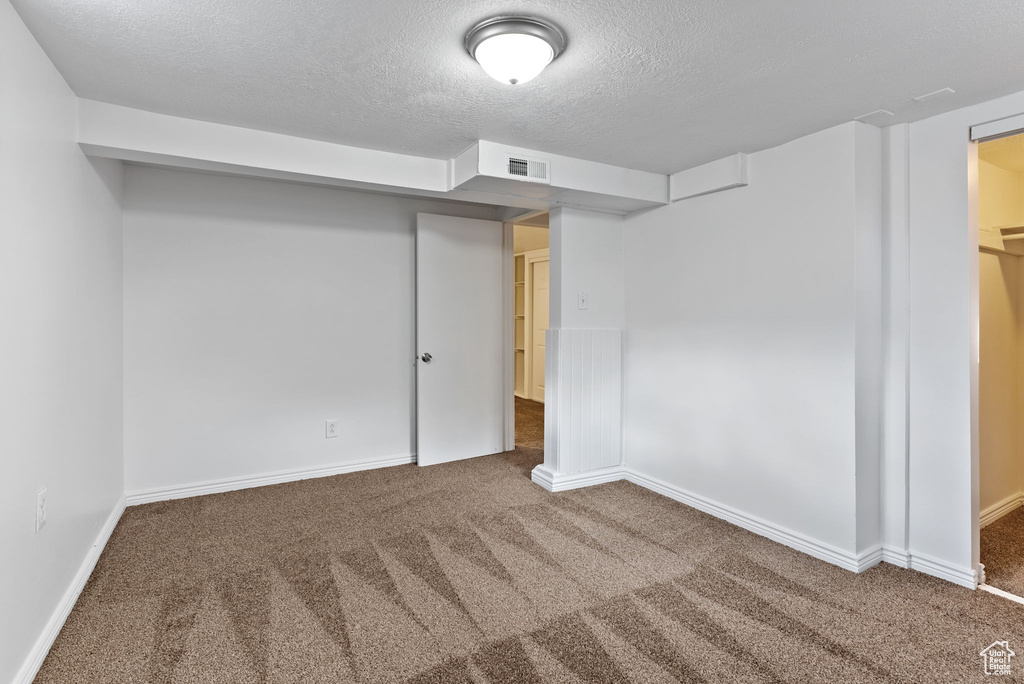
{"type": "Point", "coordinates": [1001, 361]}
{"type": "Point", "coordinates": [531, 273]}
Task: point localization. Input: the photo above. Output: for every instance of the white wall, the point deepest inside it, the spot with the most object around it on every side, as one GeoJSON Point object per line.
{"type": "Point", "coordinates": [747, 314]}
{"type": "Point", "coordinates": [942, 272]}
{"type": "Point", "coordinates": [60, 345]}
{"type": "Point", "coordinates": [256, 310]}
{"type": "Point", "coordinates": [586, 256]}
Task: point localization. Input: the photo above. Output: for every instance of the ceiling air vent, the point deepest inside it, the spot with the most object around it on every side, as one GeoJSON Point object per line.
{"type": "Point", "coordinates": [521, 168]}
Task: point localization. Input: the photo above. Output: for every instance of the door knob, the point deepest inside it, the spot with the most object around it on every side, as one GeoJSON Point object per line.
{"type": "Point", "coordinates": [426, 357]}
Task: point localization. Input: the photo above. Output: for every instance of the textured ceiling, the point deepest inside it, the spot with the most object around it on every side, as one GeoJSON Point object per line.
{"type": "Point", "coordinates": [659, 85]}
{"type": "Point", "coordinates": [1006, 153]}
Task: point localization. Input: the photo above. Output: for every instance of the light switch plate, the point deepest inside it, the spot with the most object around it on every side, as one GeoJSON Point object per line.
{"type": "Point", "coordinates": [582, 300]}
{"type": "Point", "coordinates": [40, 509]}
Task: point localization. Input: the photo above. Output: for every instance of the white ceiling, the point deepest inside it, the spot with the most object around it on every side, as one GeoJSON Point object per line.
{"type": "Point", "coordinates": [657, 85]}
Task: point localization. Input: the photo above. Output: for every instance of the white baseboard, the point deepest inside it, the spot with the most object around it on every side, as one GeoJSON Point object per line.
{"type": "Point", "coordinates": [895, 556]}
{"type": "Point", "coordinates": [35, 658]}
{"type": "Point", "coordinates": [870, 558]}
{"type": "Point", "coordinates": [965, 577]}
{"type": "Point", "coordinates": [234, 483]}
{"type": "Point", "coordinates": [794, 540]}
{"type": "Point", "coordinates": [998, 510]}
{"type": "Point", "coordinates": [557, 482]}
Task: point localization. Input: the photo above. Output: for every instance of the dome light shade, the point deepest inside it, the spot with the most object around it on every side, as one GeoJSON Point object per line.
{"type": "Point", "coordinates": [514, 49]}
{"type": "Point", "coordinates": [514, 57]}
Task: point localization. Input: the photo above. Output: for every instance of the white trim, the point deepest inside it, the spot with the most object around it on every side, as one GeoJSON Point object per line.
{"type": "Point", "coordinates": [894, 556]}
{"type": "Point", "coordinates": [529, 259]}
{"type": "Point", "coordinates": [508, 353]}
{"type": "Point", "coordinates": [999, 128]}
{"type": "Point", "coordinates": [965, 577]}
{"type": "Point", "coordinates": [232, 483]}
{"type": "Point", "coordinates": [41, 648]}
{"type": "Point", "coordinates": [794, 540]}
{"type": "Point", "coordinates": [558, 482]}
{"type": "Point", "coordinates": [1001, 508]}
{"type": "Point", "coordinates": [869, 559]}
{"type": "Point", "coordinates": [999, 592]}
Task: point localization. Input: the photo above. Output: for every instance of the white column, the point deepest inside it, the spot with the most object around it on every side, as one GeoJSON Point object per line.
{"type": "Point", "coordinates": [868, 348]}
{"type": "Point", "coordinates": [895, 327]}
{"type": "Point", "coordinates": [583, 363]}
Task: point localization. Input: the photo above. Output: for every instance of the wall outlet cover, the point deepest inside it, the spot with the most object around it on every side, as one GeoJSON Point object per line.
{"type": "Point", "coordinates": [331, 428]}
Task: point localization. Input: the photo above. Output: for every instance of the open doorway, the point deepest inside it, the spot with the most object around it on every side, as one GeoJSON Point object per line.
{"type": "Point", "coordinates": [1001, 361]}
{"type": "Point", "coordinates": [482, 302]}
{"type": "Point", "coordinates": [531, 272]}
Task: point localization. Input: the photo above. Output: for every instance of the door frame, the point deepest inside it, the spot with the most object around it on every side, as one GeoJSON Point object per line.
{"type": "Point", "coordinates": [508, 354]}
{"type": "Point", "coordinates": [532, 257]}
{"type": "Point", "coordinates": [977, 134]}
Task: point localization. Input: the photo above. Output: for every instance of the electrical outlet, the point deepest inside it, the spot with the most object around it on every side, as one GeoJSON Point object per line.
{"type": "Point", "coordinates": [40, 509]}
{"type": "Point", "coordinates": [331, 428]}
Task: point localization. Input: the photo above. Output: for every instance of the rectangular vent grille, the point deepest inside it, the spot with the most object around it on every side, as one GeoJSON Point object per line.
{"type": "Point", "coordinates": [528, 169]}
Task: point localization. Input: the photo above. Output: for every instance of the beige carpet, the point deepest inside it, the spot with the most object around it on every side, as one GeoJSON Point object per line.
{"type": "Point", "coordinates": [529, 424]}
{"type": "Point", "coordinates": [1002, 553]}
{"type": "Point", "coordinates": [468, 572]}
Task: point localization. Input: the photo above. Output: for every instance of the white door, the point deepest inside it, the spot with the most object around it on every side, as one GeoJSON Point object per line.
{"type": "Point", "coordinates": [459, 337]}
{"type": "Point", "coordinates": [539, 306]}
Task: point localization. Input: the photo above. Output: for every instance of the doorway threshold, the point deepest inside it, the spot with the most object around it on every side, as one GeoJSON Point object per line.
{"type": "Point", "coordinates": [999, 592]}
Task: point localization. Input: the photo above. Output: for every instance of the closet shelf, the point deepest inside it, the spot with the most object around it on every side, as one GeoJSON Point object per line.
{"type": "Point", "coordinates": [1011, 232]}
{"type": "Point", "coordinates": [997, 250]}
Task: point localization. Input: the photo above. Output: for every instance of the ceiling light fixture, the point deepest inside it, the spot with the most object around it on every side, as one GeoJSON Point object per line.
{"type": "Point", "coordinates": [514, 49]}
